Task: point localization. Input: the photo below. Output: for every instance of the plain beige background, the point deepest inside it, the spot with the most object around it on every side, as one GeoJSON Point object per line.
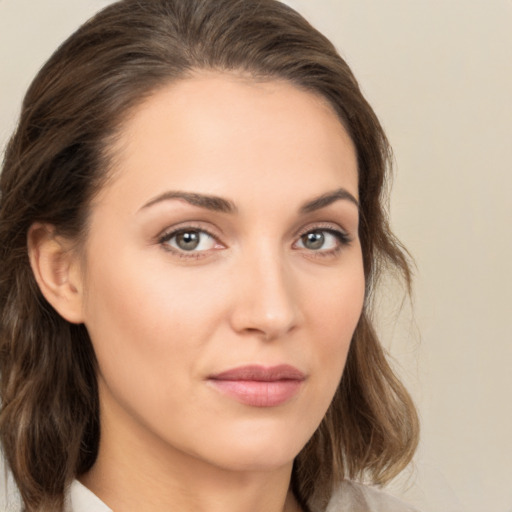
{"type": "Point", "coordinates": [439, 75]}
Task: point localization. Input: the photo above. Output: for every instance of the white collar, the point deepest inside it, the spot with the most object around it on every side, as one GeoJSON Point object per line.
{"type": "Point", "coordinates": [81, 499]}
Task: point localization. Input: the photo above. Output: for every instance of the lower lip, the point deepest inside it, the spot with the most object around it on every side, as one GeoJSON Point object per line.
{"type": "Point", "coordinates": [258, 393]}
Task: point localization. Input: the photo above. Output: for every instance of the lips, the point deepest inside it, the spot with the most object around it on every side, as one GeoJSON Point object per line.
{"type": "Point", "coordinates": [259, 386]}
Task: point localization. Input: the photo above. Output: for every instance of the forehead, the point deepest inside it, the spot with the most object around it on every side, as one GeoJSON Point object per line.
{"type": "Point", "coordinates": [219, 133]}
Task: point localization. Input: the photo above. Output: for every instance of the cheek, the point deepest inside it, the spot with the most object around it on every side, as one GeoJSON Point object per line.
{"type": "Point", "coordinates": [144, 324]}
{"type": "Point", "coordinates": [134, 291]}
{"type": "Point", "coordinates": [335, 307]}
{"type": "Point", "coordinates": [333, 310]}
{"type": "Point", "coordinates": [148, 333]}
{"type": "Point", "coordinates": [339, 314]}
{"type": "Point", "coordinates": [152, 327]}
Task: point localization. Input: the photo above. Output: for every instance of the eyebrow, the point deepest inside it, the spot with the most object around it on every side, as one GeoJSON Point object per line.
{"type": "Point", "coordinates": [219, 204]}
{"type": "Point", "coordinates": [328, 198]}
{"type": "Point", "coordinates": [214, 203]}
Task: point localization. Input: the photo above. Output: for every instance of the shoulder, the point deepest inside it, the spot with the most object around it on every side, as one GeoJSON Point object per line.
{"type": "Point", "coordinates": [355, 497]}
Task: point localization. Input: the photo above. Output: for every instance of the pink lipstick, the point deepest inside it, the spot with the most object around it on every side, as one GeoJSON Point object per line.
{"type": "Point", "coordinates": [259, 386]}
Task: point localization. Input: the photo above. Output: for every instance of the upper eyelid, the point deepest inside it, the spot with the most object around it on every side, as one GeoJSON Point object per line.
{"type": "Point", "coordinates": [343, 237]}
{"type": "Point", "coordinates": [172, 233]}
{"type": "Point", "coordinates": [187, 226]}
{"type": "Point", "coordinates": [299, 232]}
{"type": "Point", "coordinates": [326, 226]}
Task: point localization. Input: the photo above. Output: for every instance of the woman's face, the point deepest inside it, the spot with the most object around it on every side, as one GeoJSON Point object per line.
{"type": "Point", "coordinates": [223, 272]}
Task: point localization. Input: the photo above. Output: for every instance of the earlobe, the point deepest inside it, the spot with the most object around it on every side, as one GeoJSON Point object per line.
{"type": "Point", "coordinates": [56, 270]}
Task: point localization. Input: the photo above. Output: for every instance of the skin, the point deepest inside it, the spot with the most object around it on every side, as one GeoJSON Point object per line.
{"type": "Point", "coordinates": [163, 320]}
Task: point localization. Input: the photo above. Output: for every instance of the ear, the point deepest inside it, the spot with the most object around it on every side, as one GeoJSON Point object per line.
{"type": "Point", "coordinates": [56, 268]}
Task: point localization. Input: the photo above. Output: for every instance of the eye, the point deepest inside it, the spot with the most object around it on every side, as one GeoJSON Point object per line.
{"type": "Point", "coordinates": [188, 240]}
{"type": "Point", "coordinates": [323, 240]}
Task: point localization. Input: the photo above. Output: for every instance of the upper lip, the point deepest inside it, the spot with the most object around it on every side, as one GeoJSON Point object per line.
{"type": "Point", "coordinates": [261, 373]}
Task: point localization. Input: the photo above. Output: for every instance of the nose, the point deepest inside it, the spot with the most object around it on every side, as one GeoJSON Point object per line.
{"type": "Point", "coordinates": [266, 302]}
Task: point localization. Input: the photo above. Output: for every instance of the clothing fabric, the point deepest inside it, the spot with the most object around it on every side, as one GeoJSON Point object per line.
{"type": "Point", "coordinates": [355, 497]}
{"type": "Point", "coordinates": [350, 497]}
{"type": "Point", "coordinates": [81, 499]}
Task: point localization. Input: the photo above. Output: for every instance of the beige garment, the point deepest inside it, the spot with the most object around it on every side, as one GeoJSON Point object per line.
{"type": "Point", "coordinates": [350, 497]}
{"type": "Point", "coordinates": [355, 497]}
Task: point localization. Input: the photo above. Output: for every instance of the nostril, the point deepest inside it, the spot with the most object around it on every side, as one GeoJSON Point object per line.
{"type": "Point", "coordinates": [266, 327]}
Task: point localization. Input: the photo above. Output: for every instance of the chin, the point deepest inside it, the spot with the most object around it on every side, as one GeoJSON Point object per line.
{"type": "Point", "coordinates": [257, 449]}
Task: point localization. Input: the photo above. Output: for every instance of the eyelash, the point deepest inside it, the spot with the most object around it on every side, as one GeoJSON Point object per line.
{"type": "Point", "coordinates": [167, 236]}
{"type": "Point", "coordinates": [342, 237]}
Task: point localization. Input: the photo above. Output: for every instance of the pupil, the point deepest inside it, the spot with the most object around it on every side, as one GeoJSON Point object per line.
{"type": "Point", "coordinates": [313, 240]}
{"type": "Point", "coordinates": [188, 240]}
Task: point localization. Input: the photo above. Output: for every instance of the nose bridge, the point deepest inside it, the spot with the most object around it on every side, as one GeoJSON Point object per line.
{"type": "Point", "coordinates": [266, 301]}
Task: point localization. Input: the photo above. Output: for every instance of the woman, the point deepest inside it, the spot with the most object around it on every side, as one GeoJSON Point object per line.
{"type": "Point", "coordinates": [192, 226]}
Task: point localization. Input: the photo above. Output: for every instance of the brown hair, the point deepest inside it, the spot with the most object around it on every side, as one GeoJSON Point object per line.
{"type": "Point", "coordinates": [58, 159]}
